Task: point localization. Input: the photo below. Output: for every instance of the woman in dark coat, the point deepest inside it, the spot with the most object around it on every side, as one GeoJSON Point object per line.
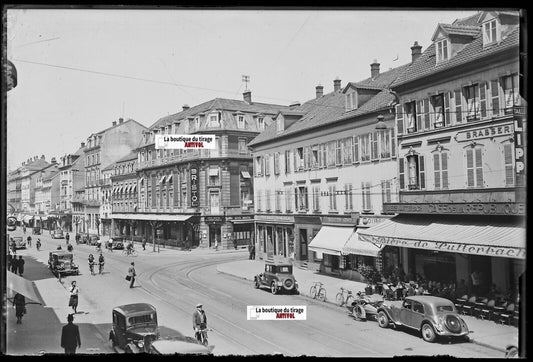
{"type": "Point", "coordinates": [20, 306]}
{"type": "Point", "coordinates": [21, 265]}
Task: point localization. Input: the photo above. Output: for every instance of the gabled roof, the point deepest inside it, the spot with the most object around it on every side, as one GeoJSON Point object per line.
{"type": "Point", "coordinates": [448, 29]}
{"type": "Point", "coordinates": [383, 80]}
{"type": "Point", "coordinates": [130, 156]}
{"type": "Point", "coordinates": [36, 165]}
{"type": "Point", "coordinates": [426, 64]}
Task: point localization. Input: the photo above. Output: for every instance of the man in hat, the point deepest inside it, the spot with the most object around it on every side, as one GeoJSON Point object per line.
{"type": "Point", "coordinates": [199, 321]}
{"type": "Point", "coordinates": [70, 336]}
{"type": "Point", "coordinates": [132, 274]}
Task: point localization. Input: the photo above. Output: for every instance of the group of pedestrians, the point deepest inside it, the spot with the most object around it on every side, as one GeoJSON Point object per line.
{"type": "Point", "coordinates": [15, 265]}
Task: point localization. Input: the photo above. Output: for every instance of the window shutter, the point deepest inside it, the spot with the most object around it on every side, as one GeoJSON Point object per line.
{"type": "Point", "coordinates": [306, 157]}
{"type": "Point", "coordinates": [374, 144]}
{"type": "Point", "coordinates": [401, 167]}
{"type": "Point", "coordinates": [444, 169]}
{"type": "Point", "coordinates": [399, 118]}
{"type": "Point", "coordinates": [447, 108]}
{"type": "Point", "coordinates": [426, 114]}
{"type": "Point", "coordinates": [458, 106]}
{"type": "Point", "coordinates": [508, 159]}
{"type": "Point", "coordinates": [355, 146]}
{"type": "Point", "coordinates": [295, 153]}
{"type": "Point", "coordinates": [470, 168]}
{"type": "Point", "coordinates": [436, 168]}
{"type": "Point", "coordinates": [479, 168]}
{"type": "Point", "coordinates": [483, 87]}
{"type": "Point", "coordinates": [392, 143]}
{"type": "Point", "coordinates": [421, 172]}
{"type": "Point", "coordinates": [419, 110]}
{"type": "Point", "coordinates": [495, 96]}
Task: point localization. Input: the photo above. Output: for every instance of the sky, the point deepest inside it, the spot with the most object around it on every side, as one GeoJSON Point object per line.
{"type": "Point", "coordinates": [81, 69]}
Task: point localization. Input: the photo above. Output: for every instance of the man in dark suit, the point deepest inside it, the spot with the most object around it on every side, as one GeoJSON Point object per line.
{"type": "Point", "coordinates": [70, 336]}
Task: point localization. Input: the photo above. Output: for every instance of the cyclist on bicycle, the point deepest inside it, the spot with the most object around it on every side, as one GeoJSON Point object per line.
{"type": "Point", "coordinates": [38, 244]}
{"type": "Point", "coordinates": [199, 322]}
{"type": "Point", "coordinates": [91, 263]}
{"type": "Point", "coordinates": [129, 248]}
{"type": "Point", "coordinates": [101, 262]}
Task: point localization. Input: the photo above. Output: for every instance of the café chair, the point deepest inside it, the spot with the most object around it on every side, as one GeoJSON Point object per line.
{"type": "Point", "coordinates": [498, 310]}
{"type": "Point", "coordinates": [469, 305]}
{"type": "Point", "coordinates": [487, 311]}
{"type": "Point", "coordinates": [507, 316]}
{"type": "Point", "coordinates": [479, 305]}
{"type": "Point", "coordinates": [516, 316]}
{"type": "Point", "coordinates": [460, 302]}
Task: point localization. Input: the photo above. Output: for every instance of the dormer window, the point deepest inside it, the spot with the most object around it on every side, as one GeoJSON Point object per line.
{"type": "Point", "coordinates": [196, 122]}
{"type": "Point", "coordinates": [442, 50]}
{"type": "Point", "coordinates": [279, 124]}
{"type": "Point", "coordinates": [260, 123]}
{"type": "Point", "coordinates": [490, 33]}
{"type": "Point", "coordinates": [240, 121]}
{"type": "Point", "coordinates": [351, 101]}
{"type": "Point", "coordinates": [214, 120]}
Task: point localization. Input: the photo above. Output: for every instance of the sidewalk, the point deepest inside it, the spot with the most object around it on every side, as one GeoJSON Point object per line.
{"type": "Point", "coordinates": [486, 333]}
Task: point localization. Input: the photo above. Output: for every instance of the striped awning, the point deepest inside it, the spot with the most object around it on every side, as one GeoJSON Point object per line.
{"type": "Point", "coordinates": [497, 236]}
{"type": "Point", "coordinates": [331, 239]}
{"type": "Point", "coordinates": [162, 180]}
{"type": "Point", "coordinates": [358, 247]}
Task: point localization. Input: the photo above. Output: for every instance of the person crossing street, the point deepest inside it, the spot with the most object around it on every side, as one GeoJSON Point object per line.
{"type": "Point", "coordinates": [132, 274]}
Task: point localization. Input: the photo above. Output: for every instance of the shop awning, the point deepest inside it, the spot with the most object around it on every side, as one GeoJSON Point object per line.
{"type": "Point", "coordinates": [245, 174]}
{"type": "Point", "coordinates": [213, 171]}
{"type": "Point", "coordinates": [358, 247]}
{"type": "Point", "coordinates": [497, 236]}
{"type": "Point", "coordinates": [17, 284]}
{"type": "Point", "coordinates": [245, 221]}
{"type": "Point", "coordinates": [331, 239]}
{"type": "Point", "coordinates": [151, 217]}
{"type": "Point", "coordinates": [43, 218]}
{"type": "Point", "coordinates": [162, 179]}
{"type": "Point", "coordinates": [126, 189]}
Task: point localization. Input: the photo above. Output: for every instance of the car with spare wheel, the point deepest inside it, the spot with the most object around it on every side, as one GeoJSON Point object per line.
{"type": "Point", "coordinates": [134, 327]}
{"type": "Point", "coordinates": [277, 277]}
{"type": "Point", "coordinates": [62, 262]}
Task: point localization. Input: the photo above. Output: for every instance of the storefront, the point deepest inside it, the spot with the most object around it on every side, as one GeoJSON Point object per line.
{"type": "Point", "coordinates": [274, 236]}
{"type": "Point", "coordinates": [449, 249]}
{"type": "Point", "coordinates": [243, 229]}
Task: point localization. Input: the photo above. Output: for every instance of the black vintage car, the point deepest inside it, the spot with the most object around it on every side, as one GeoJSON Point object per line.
{"type": "Point", "coordinates": [60, 261]}
{"type": "Point", "coordinates": [277, 276]}
{"type": "Point", "coordinates": [134, 327]}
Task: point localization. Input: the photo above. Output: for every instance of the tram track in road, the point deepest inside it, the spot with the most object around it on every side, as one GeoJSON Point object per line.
{"type": "Point", "coordinates": [188, 268]}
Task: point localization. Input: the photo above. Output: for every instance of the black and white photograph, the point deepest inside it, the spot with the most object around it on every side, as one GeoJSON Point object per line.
{"type": "Point", "coordinates": [225, 181]}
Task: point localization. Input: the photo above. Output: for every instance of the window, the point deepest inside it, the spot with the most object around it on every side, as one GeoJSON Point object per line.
{"type": "Point", "coordinates": [495, 96]}
{"type": "Point", "coordinates": [386, 191]}
{"type": "Point", "coordinates": [440, 168]}
{"type": "Point", "coordinates": [490, 32]}
{"type": "Point", "coordinates": [438, 116]}
{"type": "Point", "coordinates": [276, 163]}
{"type": "Point", "coordinates": [410, 116]}
{"type": "Point", "coordinates": [365, 147]}
{"type": "Point", "coordinates": [322, 155]}
{"type": "Point", "coordinates": [418, 307]}
{"type": "Point", "coordinates": [338, 153]}
{"type": "Point", "coordinates": [474, 167]}
{"type": "Point", "coordinates": [287, 161]}
{"type": "Point", "coordinates": [442, 50]}
{"type": "Point", "coordinates": [347, 151]}
{"type": "Point", "coordinates": [240, 121]}
{"type": "Point", "coordinates": [332, 193]}
{"type": "Point", "coordinates": [384, 143]}
{"type": "Point", "coordinates": [355, 149]}
{"type": "Point", "coordinates": [279, 124]}
{"type": "Point", "coordinates": [214, 201]}
{"type": "Point", "coordinates": [416, 173]}
{"type": "Point", "coordinates": [267, 165]}
{"type": "Point", "coordinates": [458, 106]}
{"type": "Point", "coordinates": [214, 120]}
{"type": "Point", "coordinates": [268, 200]}
{"type": "Point", "coordinates": [300, 200]}
{"type": "Point", "coordinates": [351, 101]}
{"type": "Point", "coordinates": [510, 92]}
{"type": "Point", "coordinates": [288, 199]}
{"type": "Point", "coordinates": [331, 153]}
{"type": "Point", "coordinates": [259, 166]}
{"type": "Point", "coordinates": [508, 161]}
{"type": "Point", "coordinates": [472, 102]}
{"type": "Point", "coordinates": [299, 159]}
{"type": "Point", "coordinates": [314, 157]}
{"type": "Point", "coordinates": [365, 192]}
{"type": "Point", "coordinates": [242, 146]}
{"type": "Point", "coordinates": [316, 198]}
{"type": "Point", "coordinates": [277, 200]}
{"type": "Point", "coordinates": [374, 145]}
{"type": "Point", "coordinates": [214, 176]}
{"type": "Point", "coordinates": [260, 123]}
{"type": "Point", "coordinates": [348, 197]}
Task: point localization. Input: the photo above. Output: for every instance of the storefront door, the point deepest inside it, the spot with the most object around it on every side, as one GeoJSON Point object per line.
{"type": "Point", "coordinates": [303, 244]}
{"type": "Point", "coordinates": [483, 265]}
{"type": "Point", "coordinates": [214, 234]}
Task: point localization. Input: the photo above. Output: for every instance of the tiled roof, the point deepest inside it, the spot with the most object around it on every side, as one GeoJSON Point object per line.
{"type": "Point", "coordinates": [426, 64]}
{"type": "Point", "coordinates": [130, 156]}
{"type": "Point", "coordinates": [472, 30]}
{"type": "Point", "coordinates": [472, 20]}
{"type": "Point", "coordinates": [383, 80]}
{"type": "Point", "coordinates": [119, 125]}
{"type": "Point", "coordinates": [50, 173]}
{"type": "Point", "coordinates": [36, 165]}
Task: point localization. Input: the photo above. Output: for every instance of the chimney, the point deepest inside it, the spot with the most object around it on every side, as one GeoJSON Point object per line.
{"type": "Point", "coordinates": [42, 157]}
{"type": "Point", "coordinates": [416, 51]}
{"type": "Point", "coordinates": [23, 163]}
{"type": "Point", "coordinates": [319, 91]}
{"type": "Point", "coordinates": [35, 158]}
{"type": "Point", "coordinates": [82, 144]}
{"type": "Point", "coordinates": [337, 85]}
{"type": "Point", "coordinates": [186, 107]}
{"type": "Point", "coordinates": [374, 69]}
{"type": "Point", "coordinates": [53, 160]}
{"type": "Point", "coordinates": [114, 123]}
{"type": "Point", "coordinates": [120, 120]}
{"type": "Point", "coordinates": [294, 105]}
{"type": "Point", "coordinates": [247, 96]}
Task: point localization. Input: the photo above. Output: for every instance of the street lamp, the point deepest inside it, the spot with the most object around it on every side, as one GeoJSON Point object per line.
{"type": "Point", "coordinates": [381, 124]}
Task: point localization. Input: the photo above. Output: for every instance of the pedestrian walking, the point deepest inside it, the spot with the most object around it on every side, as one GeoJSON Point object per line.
{"type": "Point", "coordinates": [131, 274]}
{"type": "Point", "coordinates": [77, 237]}
{"type": "Point", "coordinates": [19, 303]}
{"type": "Point", "coordinates": [216, 243]}
{"type": "Point", "coordinates": [74, 292]}
{"type": "Point", "coordinates": [67, 237]}
{"type": "Point", "coordinates": [24, 228]}
{"type": "Point", "coordinates": [70, 336]}
{"type": "Point", "coordinates": [252, 252]}
{"type": "Point", "coordinates": [235, 243]}
{"type": "Point", "coordinates": [28, 241]}
{"type": "Point", "coordinates": [144, 244]}
{"type": "Point", "coordinates": [9, 260]}
{"type": "Point", "coordinates": [20, 265]}
{"type": "Point", "coordinates": [14, 263]}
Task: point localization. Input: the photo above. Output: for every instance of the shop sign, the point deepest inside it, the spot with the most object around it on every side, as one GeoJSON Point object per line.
{"type": "Point", "coordinates": [214, 219]}
{"type": "Point", "coordinates": [484, 132]}
{"type": "Point", "coordinates": [241, 218]}
{"type": "Point", "coordinates": [494, 208]}
{"type": "Point", "coordinates": [194, 185]}
{"type": "Point", "coordinates": [351, 220]}
{"type": "Point", "coordinates": [519, 151]}
{"type": "Point", "coordinates": [370, 220]}
{"type": "Point", "coordinates": [274, 218]}
{"type": "Point", "coordinates": [451, 247]}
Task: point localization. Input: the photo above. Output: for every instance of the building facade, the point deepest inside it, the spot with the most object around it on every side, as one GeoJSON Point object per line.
{"type": "Point", "coordinates": [461, 125]}
{"type": "Point", "coordinates": [124, 194]}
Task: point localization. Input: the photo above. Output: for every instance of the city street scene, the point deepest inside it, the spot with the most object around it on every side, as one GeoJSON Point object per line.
{"type": "Point", "coordinates": [295, 182]}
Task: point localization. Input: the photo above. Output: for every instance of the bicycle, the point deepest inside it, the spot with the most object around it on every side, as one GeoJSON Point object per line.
{"type": "Point", "coordinates": [317, 291]}
{"type": "Point", "coordinates": [341, 300]}
{"type": "Point", "coordinates": [100, 268]}
{"type": "Point", "coordinates": [130, 252]}
{"type": "Point", "coordinates": [91, 267]}
{"type": "Point", "coordinates": [201, 335]}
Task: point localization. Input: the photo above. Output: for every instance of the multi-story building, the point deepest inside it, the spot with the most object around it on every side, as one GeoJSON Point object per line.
{"type": "Point", "coordinates": [107, 200]}
{"type": "Point", "coordinates": [124, 193]}
{"type": "Point", "coordinates": [101, 150]}
{"type": "Point", "coordinates": [14, 191]}
{"type": "Point", "coordinates": [324, 168]}
{"type": "Point", "coordinates": [72, 175]}
{"type": "Point", "coordinates": [43, 189]}
{"type": "Point", "coordinates": [29, 172]}
{"type": "Point", "coordinates": [461, 126]}
{"type": "Point", "coordinates": [201, 196]}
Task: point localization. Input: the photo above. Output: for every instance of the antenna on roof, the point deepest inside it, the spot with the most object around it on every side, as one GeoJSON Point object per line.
{"type": "Point", "coordinates": [246, 80]}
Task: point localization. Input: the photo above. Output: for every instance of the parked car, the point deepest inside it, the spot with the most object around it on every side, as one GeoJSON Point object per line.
{"type": "Point", "coordinates": [11, 223]}
{"type": "Point", "coordinates": [277, 276]}
{"type": "Point", "coordinates": [61, 261]}
{"type": "Point", "coordinates": [118, 242]}
{"type": "Point", "coordinates": [92, 239]}
{"type": "Point", "coordinates": [179, 345]}
{"type": "Point", "coordinates": [84, 238]}
{"type": "Point", "coordinates": [134, 327]}
{"type": "Point", "coordinates": [20, 242]}
{"type": "Point", "coordinates": [432, 316]}
{"type": "Point", "coordinates": [58, 234]}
